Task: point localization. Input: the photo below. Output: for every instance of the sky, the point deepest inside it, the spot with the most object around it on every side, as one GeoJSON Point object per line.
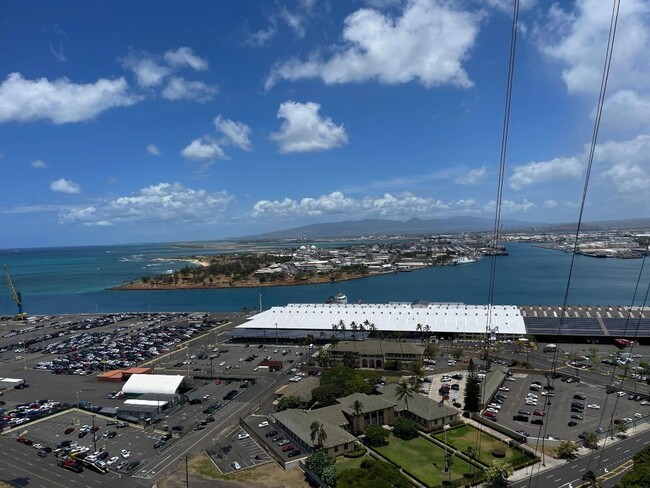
{"type": "Point", "coordinates": [136, 122]}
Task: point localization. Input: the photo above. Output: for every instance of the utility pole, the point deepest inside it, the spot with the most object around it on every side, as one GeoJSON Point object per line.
{"type": "Point", "coordinates": [187, 473]}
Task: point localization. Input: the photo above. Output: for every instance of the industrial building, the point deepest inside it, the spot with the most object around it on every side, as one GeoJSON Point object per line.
{"type": "Point", "coordinates": [459, 320]}
{"type": "Point", "coordinates": [420, 319]}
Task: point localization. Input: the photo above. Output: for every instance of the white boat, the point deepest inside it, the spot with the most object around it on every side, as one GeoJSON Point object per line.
{"type": "Point", "coordinates": [464, 260]}
{"type": "Point", "coordinates": [340, 298]}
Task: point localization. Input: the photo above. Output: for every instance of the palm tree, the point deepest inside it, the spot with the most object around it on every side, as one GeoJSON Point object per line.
{"type": "Point", "coordinates": [342, 328]}
{"type": "Point", "coordinates": [591, 478]}
{"type": "Point", "coordinates": [427, 328]}
{"type": "Point", "coordinates": [318, 434]}
{"type": "Point", "coordinates": [354, 327]}
{"type": "Point", "coordinates": [335, 329]}
{"type": "Point", "coordinates": [357, 406]}
{"type": "Point", "coordinates": [404, 391]}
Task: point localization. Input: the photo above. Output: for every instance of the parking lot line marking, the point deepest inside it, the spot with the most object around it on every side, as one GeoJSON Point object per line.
{"type": "Point", "coordinates": [625, 452]}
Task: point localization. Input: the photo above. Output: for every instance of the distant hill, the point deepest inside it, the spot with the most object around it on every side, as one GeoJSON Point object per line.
{"type": "Point", "coordinates": [384, 227]}
{"type": "Point", "coordinates": [380, 227]}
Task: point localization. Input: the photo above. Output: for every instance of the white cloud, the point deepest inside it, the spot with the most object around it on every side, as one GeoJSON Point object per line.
{"type": "Point", "coordinates": [262, 36]}
{"type": "Point", "coordinates": [304, 130]}
{"type": "Point", "coordinates": [236, 133]}
{"type": "Point", "coordinates": [60, 101]}
{"type": "Point", "coordinates": [153, 149]}
{"type": "Point", "coordinates": [626, 109]}
{"type": "Point", "coordinates": [539, 172]}
{"type": "Point", "coordinates": [184, 56]}
{"type": "Point", "coordinates": [428, 44]}
{"type": "Point", "coordinates": [179, 88]}
{"type": "Point", "coordinates": [65, 186]}
{"type": "Point", "coordinates": [38, 164]}
{"type": "Point", "coordinates": [550, 204]}
{"type": "Point", "coordinates": [578, 39]}
{"type": "Point", "coordinates": [148, 71]}
{"type": "Point", "coordinates": [58, 53]}
{"type": "Point", "coordinates": [472, 177]}
{"type": "Point", "coordinates": [402, 206]}
{"type": "Point", "coordinates": [203, 149]}
{"type": "Point", "coordinates": [505, 6]}
{"type": "Point", "coordinates": [510, 206]}
{"type": "Point", "coordinates": [630, 166]}
{"type": "Point", "coordinates": [163, 202]}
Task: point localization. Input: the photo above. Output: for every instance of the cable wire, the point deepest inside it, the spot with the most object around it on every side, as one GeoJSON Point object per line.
{"type": "Point", "coordinates": [594, 138]}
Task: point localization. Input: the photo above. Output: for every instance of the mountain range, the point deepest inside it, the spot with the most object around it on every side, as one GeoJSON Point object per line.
{"type": "Point", "coordinates": [414, 226]}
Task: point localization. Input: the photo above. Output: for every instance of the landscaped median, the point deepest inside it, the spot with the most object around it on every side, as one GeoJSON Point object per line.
{"type": "Point", "coordinates": [423, 460]}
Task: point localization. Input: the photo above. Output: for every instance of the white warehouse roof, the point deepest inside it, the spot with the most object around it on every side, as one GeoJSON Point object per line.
{"type": "Point", "coordinates": [162, 384]}
{"type": "Point", "coordinates": [146, 403]}
{"type": "Point", "coordinates": [441, 317]}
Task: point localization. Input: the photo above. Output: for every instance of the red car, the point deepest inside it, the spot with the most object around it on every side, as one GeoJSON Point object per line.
{"type": "Point", "coordinates": [489, 414]}
{"type": "Point", "coordinates": [21, 439]}
{"type": "Point", "coordinates": [69, 430]}
{"type": "Point", "coordinates": [539, 413]}
{"type": "Point", "coordinates": [288, 447]}
{"type": "Point", "coordinates": [217, 382]}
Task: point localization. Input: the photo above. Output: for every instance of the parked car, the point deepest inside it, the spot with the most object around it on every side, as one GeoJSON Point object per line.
{"type": "Point", "coordinates": [539, 413]}
{"type": "Point", "coordinates": [244, 435]}
{"type": "Point", "coordinates": [577, 416]}
{"type": "Point", "coordinates": [263, 424]}
{"type": "Point", "coordinates": [593, 406]}
{"type": "Point", "coordinates": [537, 422]}
{"type": "Point", "coordinates": [572, 423]}
{"type": "Point", "coordinates": [294, 453]}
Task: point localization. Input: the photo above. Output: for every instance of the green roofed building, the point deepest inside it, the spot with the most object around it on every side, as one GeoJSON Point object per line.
{"type": "Point", "coordinates": [374, 353]}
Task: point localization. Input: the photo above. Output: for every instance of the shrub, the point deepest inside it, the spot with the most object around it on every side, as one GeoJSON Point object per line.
{"type": "Point", "coordinates": [406, 429]}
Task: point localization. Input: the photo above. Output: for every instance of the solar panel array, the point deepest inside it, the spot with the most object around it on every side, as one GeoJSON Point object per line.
{"type": "Point", "coordinates": [635, 327]}
{"type": "Point", "coordinates": [576, 326]}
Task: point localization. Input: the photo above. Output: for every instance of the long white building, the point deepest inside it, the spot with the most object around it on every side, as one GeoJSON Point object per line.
{"type": "Point", "coordinates": [446, 319]}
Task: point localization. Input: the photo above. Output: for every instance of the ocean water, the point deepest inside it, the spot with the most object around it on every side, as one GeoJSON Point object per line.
{"type": "Point", "coordinates": [76, 280]}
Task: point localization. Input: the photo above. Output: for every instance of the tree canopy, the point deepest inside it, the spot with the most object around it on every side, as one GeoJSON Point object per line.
{"type": "Point", "coordinates": [472, 389]}
{"type": "Point", "coordinates": [376, 435]}
{"type": "Point", "coordinates": [340, 381]}
{"type": "Point", "coordinates": [373, 474]}
{"type": "Point", "coordinates": [405, 428]}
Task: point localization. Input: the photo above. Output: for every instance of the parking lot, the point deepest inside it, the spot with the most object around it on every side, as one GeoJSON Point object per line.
{"type": "Point", "coordinates": [240, 448]}
{"type": "Point", "coordinates": [558, 407]}
{"type": "Point", "coordinates": [51, 432]}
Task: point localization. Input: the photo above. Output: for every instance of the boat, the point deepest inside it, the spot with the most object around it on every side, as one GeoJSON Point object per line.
{"type": "Point", "coordinates": [464, 260]}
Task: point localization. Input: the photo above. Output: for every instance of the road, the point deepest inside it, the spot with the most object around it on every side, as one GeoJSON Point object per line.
{"type": "Point", "coordinates": [604, 460]}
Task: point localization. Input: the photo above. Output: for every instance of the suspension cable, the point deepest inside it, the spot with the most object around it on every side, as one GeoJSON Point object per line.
{"type": "Point", "coordinates": [592, 149]}
{"type": "Point", "coordinates": [499, 196]}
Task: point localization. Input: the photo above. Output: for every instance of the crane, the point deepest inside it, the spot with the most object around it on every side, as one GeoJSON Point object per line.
{"type": "Point", "coordinates": [15, 295]}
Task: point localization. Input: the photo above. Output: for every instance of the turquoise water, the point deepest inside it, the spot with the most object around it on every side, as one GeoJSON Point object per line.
{"type": "Point", "coordinates": [75, 280]}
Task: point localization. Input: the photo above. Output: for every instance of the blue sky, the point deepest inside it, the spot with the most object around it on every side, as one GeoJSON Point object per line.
{"type": "Point", "coordinates": [145, 122]}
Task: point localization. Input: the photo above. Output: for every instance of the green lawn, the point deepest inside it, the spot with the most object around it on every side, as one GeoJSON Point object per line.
{"type": "Point", "coordinates": [422, 459]}
{"type": "Point", "coordinates": [343, 463]}
{"type": "Point", "coordinates": [466, 435]}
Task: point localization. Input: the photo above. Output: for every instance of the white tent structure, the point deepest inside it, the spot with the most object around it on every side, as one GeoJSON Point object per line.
{"type": "Point", "coordinates": [161, 384]}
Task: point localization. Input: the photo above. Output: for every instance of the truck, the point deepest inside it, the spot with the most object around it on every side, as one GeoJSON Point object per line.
{"type": "Point", "coordinates": [550, 348]}
{"type": "Point", "coordinates": [622, 343]}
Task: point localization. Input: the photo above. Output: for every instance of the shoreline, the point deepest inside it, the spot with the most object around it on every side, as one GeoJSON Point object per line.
{"type": "Point", "coordinates": [221, 286]}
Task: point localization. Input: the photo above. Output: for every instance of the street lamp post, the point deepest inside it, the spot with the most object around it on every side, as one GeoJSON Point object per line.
{"type": "Point", "coordinates": [276, 333]}
{"type": "Point", "coordinates": [447, 470]}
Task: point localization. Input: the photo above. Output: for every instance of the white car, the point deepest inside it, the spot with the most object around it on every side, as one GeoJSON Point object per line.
{"type": "Point", "coordinates": [493, 410]}
{"type": "Point", "coordinates": [236, 465]}
{"type": "Point", "coordinates": [645, 402]}
{"type": "Point", "coordinates": [547, 393]}
{"type": "Point", "coordinates": [638, 415]}
{"type": "Point", "coordinates": [621, 394]}
{"type": "Point", "coordinates": [504, 388]}
{"type": "Point", "coordinates": [245, 435]}
{"type": "Point", "coordinates": [594, 406]}
{"type": "Point", "coordinates": [263, 424]}
{"type": "Point", "coordinates": [112, 460]}
{"type": "Point", "coordinates": [495, 405]}
{"type": "Point", "coordinates": [510, 378]}
{"type": "Point", "coordinates": [125, 454]}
